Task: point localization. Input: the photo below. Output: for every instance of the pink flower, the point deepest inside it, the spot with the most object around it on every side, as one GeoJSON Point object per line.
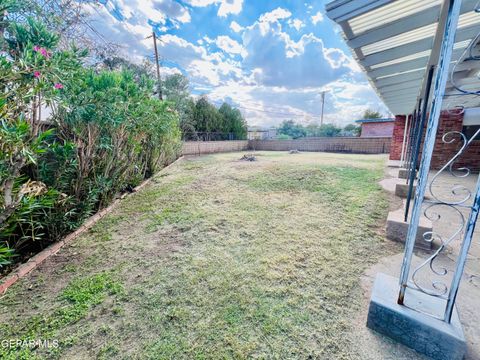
{"type": "Point", "coordinates": [58, 86]}
{"type": "Point", "coordinates": [42, 51]}
{"type": "Point", "coordinates": [37, 74]}
{"type": "Point", "coordinates": [45, 53]}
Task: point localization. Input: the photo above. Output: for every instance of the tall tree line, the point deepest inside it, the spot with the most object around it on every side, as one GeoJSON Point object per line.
{"type": "Point", "coordinates": [199, 118]}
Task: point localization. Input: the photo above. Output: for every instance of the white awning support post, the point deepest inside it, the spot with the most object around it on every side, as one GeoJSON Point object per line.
{"type": "Point", "coordinates": [405, 130]}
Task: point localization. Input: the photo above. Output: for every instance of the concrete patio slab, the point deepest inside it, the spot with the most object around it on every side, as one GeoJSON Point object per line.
{"type": "Point", "coordinates": [389, 184]}
{"type": "Point", "coordinates": [376, 346]}
{"type": "Point", "coordinates": [427, 335]}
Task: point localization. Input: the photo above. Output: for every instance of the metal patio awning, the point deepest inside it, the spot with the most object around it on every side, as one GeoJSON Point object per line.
{"type": "Point", "coordinates": [394, 41]}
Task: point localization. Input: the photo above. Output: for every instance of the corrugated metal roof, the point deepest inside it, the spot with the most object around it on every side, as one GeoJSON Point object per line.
{"type": "Point", "coordinates": [392, 40]}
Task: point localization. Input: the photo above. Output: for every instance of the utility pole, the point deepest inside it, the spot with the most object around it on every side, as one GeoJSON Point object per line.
{"type": "Point", "coordinates": [323, 105]}
{"type": "Point", "coordinates": [159, 80]}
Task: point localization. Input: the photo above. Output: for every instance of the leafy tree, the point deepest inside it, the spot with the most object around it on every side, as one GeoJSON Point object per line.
{"type": "Point", "coordinates": [329, 130]}
{"type": "Point", "coordinates": [69, 19]}
{"type": "Point", "coordinates": [292, 129]}
{"type": "Point", "coordinates": [176, 89]}
{"type": "Point", "coordinates": [139, 70]}
{"type": "Point", "coordinates": [352, 130]}
{"type": "Point", "coordinates": [295, 130]}
{"type": "Point", "coordinates": [371, 114]}
{"type": "Point", "coordinates": [234, 122]}
{"type": "Point", "coordinates": [206, 117]}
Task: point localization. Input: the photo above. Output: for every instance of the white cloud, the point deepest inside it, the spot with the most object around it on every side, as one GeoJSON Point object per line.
{"type": "Point", "coordinates": [229, 45]}
{"type": "Point", "coordinates": [130, 37]}
{"type": "Point", "coordinates": [270, 105]}
{"type": "Point", "coordinates": [139, 11]}
{"type": "Point", "coordinates": [201, 3]}
{"type": "Point", "coordinates": [318, 17]}
{"type": "Point", "coordinates": [236, 27]}
{"type": "Point", "coordinates": [226, 6]}
{"type": "Point", "coordinates": [167, 71]}
{"type": "Point", "coordinates": [230, 7]}
{"type": "Point", "coordinates": [280, 61]}
{"type": "Point", "coordinates": [208, 40]}
{"type": "Point", "coordinates": [269, 75]}
{"type": "Point", "coordinates": [275, 15]}
{"type": "Point", "coordinates": [180, 50]}
{"type": "Point", "coordinates": [296, 23]}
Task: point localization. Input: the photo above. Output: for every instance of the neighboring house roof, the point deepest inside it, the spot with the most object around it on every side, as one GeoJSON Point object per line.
{"type": "Point", "coordinates": [374, 120]}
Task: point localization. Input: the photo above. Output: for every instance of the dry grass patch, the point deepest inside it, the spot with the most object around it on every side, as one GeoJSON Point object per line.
{"type": "Point", "coordinates": [218, 258]}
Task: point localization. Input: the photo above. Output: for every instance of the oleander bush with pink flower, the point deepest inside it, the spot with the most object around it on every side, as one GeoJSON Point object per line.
{"type": "Point", "coordinates": [104, 134]}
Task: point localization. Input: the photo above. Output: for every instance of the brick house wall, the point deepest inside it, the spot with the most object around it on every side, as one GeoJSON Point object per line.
{"type": "Point", "coordinates": [397, 137]}
{"type": "Point", "coordinates": [443, 151]}
{"type": "Point", "coordinates": [377, 129]}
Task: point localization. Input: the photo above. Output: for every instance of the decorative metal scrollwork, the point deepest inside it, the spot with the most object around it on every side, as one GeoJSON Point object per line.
{"type": "Point", "coordinates": [461, 199]}
{"type": "Point", "coordinates": [440, 288]}
{"type": "Point", "coordinates": [461, 195]}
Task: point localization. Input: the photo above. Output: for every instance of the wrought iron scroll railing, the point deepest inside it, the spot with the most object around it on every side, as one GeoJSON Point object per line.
{"type": "Point", "coordinates": [430, 276]}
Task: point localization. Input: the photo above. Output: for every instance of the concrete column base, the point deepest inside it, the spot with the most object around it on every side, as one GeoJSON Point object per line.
{"type": "Point", "coordinates": [402, 173]}
{"type": "Point", "coordinates": [401, 190]}
{"type": "Point", "coordinates": [423, 333]}
{"type": "Point", "coordinates": [397, 229]}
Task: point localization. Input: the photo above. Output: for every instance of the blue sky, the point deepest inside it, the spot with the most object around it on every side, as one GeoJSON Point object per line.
{"type": "Point", "coordinates": [270, 58]}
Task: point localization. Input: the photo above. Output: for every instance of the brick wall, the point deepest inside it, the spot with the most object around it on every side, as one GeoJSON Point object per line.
{"type": "Point", "coordinates": [397, 137]}
{"type": "Point", "coordinates": [377, 129]}
{"type": "Point", "coordinates": [208, 147]}
{"type": "Point", "coordinates": [358, 145]}
{"type": "Point", "coordinates": [375, 145]}
{"type": "Point", "coordinates": [442, 152]}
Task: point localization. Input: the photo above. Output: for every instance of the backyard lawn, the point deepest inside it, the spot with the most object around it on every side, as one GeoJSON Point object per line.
{"type": "Point", "coordinates": [216, 258]}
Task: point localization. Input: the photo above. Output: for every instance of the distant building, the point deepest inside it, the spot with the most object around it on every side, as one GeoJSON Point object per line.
{"type": "Point", "coordinates": [258, 133]}
{"type": "Point", "coordinates": [376, 127]}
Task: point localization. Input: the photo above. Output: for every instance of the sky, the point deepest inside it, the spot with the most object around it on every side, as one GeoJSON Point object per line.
{"type": "Point", "coordinates": [271, 59]}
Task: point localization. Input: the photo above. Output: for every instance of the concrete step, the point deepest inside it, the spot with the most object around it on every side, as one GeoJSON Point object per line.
{"type": "Point", "coordinates": [397, 229]}
{"type": "Point", "coordinates": [393, 163]}
{"type": "Point", "coordinates": [401, 189]}
{"type": "Point", "coordinates": [403, 173]}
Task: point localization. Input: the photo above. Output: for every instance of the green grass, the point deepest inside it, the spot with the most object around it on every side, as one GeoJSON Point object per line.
{"type": "Point", "coordinates": [74, 302]}
{"type": "Point", "coordinates": [217, 259]}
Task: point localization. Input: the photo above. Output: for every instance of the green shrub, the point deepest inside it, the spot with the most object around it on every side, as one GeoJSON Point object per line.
{"type": "Point", "coordinates": [107, 133]}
